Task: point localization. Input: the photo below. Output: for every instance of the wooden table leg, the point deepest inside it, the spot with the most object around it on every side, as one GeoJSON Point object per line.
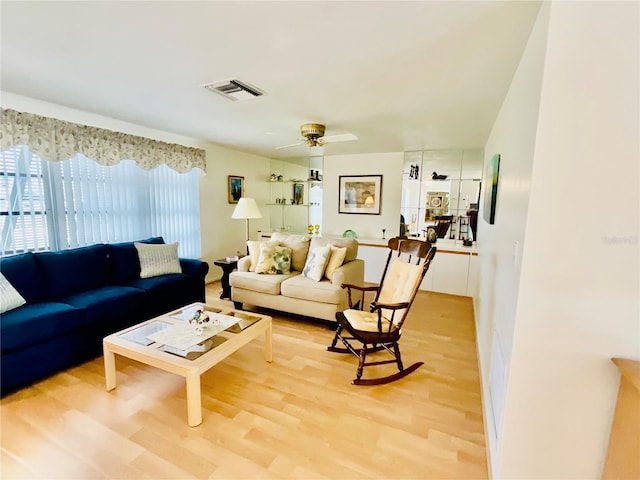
{"type": "Point", "coordinates": [268, 350]}
{"type": "Point", "coordinates": [194, 399]}
{"type": "Point", "coordinates": [109, 368]}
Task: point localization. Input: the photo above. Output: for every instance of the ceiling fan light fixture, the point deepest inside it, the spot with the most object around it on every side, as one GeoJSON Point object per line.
{"type": "Point", "coordinates": [313, 133]}
{"type": "Point", "coordinates": [313, 136]}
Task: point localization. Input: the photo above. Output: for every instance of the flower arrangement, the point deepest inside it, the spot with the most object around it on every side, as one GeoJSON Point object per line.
{"type": "Point", "coordinates": [199, 321]}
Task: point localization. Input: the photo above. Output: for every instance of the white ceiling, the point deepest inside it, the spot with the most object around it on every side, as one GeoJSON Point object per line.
{"type": "Point", "coordinates": [399, 75]}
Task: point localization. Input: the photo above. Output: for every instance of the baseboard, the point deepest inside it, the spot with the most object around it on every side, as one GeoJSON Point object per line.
{"type": "Point", "coordinates": [485, 412]}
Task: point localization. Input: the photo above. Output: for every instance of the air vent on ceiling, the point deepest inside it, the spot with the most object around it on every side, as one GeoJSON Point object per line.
{"type": "Point", "coordinates": [234, 89]}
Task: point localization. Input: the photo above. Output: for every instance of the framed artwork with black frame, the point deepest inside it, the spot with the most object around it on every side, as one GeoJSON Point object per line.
{"type": "Point", "coordinates": [235, 188]}
{"type": "Point", "coordinates": [360, 194]}
{"type": "Point", "coordinates": [491, 195]}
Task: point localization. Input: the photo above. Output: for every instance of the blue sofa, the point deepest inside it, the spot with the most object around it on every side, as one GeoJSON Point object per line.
{"type": "Point", "coordinates": [74, 298]}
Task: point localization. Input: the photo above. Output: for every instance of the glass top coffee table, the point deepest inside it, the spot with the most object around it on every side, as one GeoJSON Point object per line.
{"type": "Point", "coordinates": [167, 342]}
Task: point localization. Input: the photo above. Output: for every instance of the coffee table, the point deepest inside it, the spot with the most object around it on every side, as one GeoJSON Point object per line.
{"type": "Point", "coordinates": [134, 343]}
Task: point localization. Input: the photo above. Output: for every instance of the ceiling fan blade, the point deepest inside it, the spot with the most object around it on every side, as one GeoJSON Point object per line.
{"type": "Point", "coordinates": [343, 137]}
{"type": "Point", "coordinates": [290, 145]}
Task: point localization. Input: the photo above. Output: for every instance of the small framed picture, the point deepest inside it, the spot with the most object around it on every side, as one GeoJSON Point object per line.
{"type": "Point", "coordinates": [361, 194]}
{"type": "Point", "coordinates": [236, 188]}
{"type": "Point", "coordinates": [298, 193]}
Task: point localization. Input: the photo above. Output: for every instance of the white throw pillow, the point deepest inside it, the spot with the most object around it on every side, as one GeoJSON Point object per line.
{"type": "Point", "coordinates": [336, 259]}
{"type": "Point", "coordinates": [158, 259]}
{"type": "Point", "coordinates": [254, 252]}
{"type": "Point", "coordinates": [10, 298]}
{"type": "Point", "coordinates": [316, 262]}
{"type": "Point", "coordinates": [274, 259]}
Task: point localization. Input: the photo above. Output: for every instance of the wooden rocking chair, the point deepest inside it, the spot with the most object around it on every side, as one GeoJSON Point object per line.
{"type": "Point", "coordinates": [380, 328]}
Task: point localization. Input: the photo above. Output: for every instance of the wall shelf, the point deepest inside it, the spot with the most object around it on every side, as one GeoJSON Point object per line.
{"type": "Point", "coordinates": [283, 192]}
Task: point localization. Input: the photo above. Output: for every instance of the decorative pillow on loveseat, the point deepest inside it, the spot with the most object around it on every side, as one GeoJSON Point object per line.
{"type": "Point", "coordinates": [336, 259]}
{"type": "Point", "coordinates": [158, 259]}
{"type": "Point", "coordinates": [274, 259]}
{"type": "Point", "coordinates": [299, 245]}
{"type": "Point", "coordinates": [10, 298]}
{"type": "Point", "coordinates": [316, 262]}
{"type": "Point", "coordinates": [254, 252]}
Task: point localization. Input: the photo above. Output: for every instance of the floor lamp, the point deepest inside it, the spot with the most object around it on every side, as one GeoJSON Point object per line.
{"type": "Point", "coordinates": [246, 209]}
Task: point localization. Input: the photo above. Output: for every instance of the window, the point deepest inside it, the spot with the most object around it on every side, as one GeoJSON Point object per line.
{"type": "Point", "coordinates": [57, 205]}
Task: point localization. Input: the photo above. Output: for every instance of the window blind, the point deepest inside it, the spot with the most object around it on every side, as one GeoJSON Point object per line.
{"type": "Point", "coordinates": [77, 202]}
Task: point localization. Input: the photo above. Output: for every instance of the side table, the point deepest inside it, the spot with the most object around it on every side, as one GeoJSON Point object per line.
{"type": "Point", "coordinates": [227, 265]}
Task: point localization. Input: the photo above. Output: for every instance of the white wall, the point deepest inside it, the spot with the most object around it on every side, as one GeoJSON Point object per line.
{"type": "Point", "coordinates": [513, 137]}
{"type": "Point", "coordinates": [220, 235]}
{"type": "Point", "coordinates": [389, 165]}
{"type": "Point", "coordinates": [577, 302]}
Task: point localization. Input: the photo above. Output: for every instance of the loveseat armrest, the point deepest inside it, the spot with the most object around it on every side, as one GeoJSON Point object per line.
{"type": "Point", "coordinates": [194, 267]}
{"type": "Point", "coordinates": [351, 272]}
{"type": "Point", "coordinates": [244, 263]}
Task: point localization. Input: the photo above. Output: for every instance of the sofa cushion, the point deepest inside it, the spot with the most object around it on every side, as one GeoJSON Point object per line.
{"type": "Point", "coordinates": [259, 283]}
{"type": "Point", "coordinates": [274, 259]}
{"type": "Point", "coordinates": [170, 291]}
{"type": "Point", "coordinates": [350, 244]}
{"type": "Point", "coordinates": [316, 262]}
{"type": "Point", "coordinates": [158, 259]}
{"type": "Point", "coordinates": [299, 245]}
{"type": "Point", "coordinates": [336, 258]}
{"type": "Point", "coordinates": [125, 264]}
{"type": "Point", "coordinates": [307, 289]}
{"type": "Point", "coordinates": [69, 271]}
{"type": "Point", "coordinates": [24, 274]}
{"type": "Point", "coordinates": [10, 298]}
{"type": "Point", "coordinates": [33, 323]}
{"type": "Point", "coordinates": [108, 302]}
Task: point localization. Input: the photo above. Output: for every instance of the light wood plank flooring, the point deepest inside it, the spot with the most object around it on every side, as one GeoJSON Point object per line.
{"type": "Point", "coordinates": [298, 417]}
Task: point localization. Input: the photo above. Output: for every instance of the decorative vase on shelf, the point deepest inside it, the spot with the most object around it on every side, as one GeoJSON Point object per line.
{"type": "Point", "coordinates": [310, 229]}
{"type": "Point", "coordinates": [317, 227]}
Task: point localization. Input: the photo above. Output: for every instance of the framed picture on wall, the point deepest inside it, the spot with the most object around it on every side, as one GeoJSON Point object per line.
{"type": "Point", "coordinates": [236, 188]}
{"type": "Point", "coordinates": [491, 195]}
{"type": "Point", "coordinates": [437, 204]}
{"type": "Point", "coordinates": [360, 194]}
{"type": "Point", "coordinates": [298, 193]}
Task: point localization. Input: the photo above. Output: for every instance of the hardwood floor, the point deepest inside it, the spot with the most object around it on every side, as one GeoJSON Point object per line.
{"type": "Point", "coordinates": [298, 417]}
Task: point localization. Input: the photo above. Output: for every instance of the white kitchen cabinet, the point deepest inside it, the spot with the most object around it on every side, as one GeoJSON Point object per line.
{"type": "Point", "coordinates": [474, 276]}
{"type": "Point", "coordinates": [454, 269]}
{"type": "Point", "coordinates": [374, 258]}
{"type": "Point", "coordinates": [450, 272]}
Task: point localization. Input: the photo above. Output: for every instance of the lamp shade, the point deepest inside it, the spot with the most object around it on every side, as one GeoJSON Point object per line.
{"type": "Point", "coordinates": [246, 208]}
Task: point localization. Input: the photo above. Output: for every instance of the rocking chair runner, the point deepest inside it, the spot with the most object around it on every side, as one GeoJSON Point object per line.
{"type": "Point", "coordinates": [380, 328]}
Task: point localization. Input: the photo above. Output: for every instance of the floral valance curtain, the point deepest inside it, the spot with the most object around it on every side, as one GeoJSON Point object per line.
{"type": "Point", "coordinates": [53, 139]}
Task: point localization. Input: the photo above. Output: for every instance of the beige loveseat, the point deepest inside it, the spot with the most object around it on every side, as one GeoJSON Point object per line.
{"type": "Point", "coordinates": [296, 292]}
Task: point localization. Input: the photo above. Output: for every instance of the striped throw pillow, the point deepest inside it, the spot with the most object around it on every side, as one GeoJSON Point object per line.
{"type": "Point", "coordinates": [158, 259]}
{"type": "Point", "coordinates": [10, 298]}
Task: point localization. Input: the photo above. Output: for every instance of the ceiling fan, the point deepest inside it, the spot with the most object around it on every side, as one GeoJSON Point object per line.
{"type": "Point", "coordinates": [313, 136]}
